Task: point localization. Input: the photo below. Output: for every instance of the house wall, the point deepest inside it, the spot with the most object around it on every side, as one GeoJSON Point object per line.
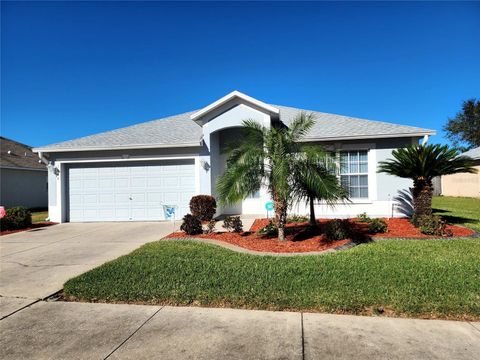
{"type": "Point", "coordinates": [382, 188]}
{"type": "Point", "coordinates": [26, 188]}
{"type": "Point", "coordinates": [463, 184]}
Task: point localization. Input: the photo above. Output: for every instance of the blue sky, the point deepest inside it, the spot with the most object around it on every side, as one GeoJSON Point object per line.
{"type": "Point", "coordinates": [78, 68]}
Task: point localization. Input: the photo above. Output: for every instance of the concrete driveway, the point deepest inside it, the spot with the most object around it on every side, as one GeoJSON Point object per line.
{"type": "Point", "coordinates": [36, 263]}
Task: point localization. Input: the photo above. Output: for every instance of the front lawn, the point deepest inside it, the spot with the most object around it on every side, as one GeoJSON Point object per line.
{"type": "Point", "coordinates": [423, 278]}
{"type": "Point", "coordinates": [459, 210]}
{"type": "Point", "coordinates": [39, 216]}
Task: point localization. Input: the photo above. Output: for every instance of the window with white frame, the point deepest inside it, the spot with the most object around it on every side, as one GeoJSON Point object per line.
{"type": "Point", "coordinates": [354, 173]}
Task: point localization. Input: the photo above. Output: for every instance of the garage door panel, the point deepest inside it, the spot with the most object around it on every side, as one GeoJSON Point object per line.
{"type": "Point", "coordinates": [114, 192]}
{"type": "Point", "coordinates": [122, 182]}
{"type": "Point", "coordinates": [139, 182]}
{"type": "Point", "coordinates": [154, 182]}
{"type": "Point", "coordinates": [105, 183]}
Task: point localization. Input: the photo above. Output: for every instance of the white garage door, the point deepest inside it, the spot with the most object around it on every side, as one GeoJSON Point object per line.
{"type": "Point", "coordinates": [132, 192]}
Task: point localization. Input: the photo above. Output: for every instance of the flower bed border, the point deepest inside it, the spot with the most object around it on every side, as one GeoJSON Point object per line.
{"type": "Point", "coordinates": [243, 250]}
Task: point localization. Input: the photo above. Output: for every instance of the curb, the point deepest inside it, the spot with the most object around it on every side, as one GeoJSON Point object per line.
{"type": "Point", "coordinates": [243, 250]}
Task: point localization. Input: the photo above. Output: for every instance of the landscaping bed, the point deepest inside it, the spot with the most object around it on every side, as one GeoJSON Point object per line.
{"type": "Point", "coordinates": [427, 279]}
{"type": "Point", "coordinates": [301, 239]}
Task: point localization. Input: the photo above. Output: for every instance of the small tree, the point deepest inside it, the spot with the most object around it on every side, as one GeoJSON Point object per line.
{"type": "Point", "coordinates": [315, 179]}
{"type": "Point", "coordinates": [464, 128]}
{"type": "Point", "coordinates": [422, 163]}
{"type": "Point", "coordinates": [271, 157]}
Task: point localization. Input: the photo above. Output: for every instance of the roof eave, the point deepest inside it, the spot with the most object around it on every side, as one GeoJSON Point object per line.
{"type": "Point", "coordinates": [364, 137]}
{"type": "Point", "coordinates": [112, 148]}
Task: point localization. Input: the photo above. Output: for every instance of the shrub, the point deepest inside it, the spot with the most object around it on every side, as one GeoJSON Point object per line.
{"type": "Point", "coordinates": [297, 219]}
{"type": "Point", "coordinates": [363, 217]}
{"type": "Point", "coordinates": [377, 226]}
{"type": "Point", "coordinates": [233, 223]}
{"type": "Point", "coordinates": [203, 207]}
{"type": "Point", "coordinates": [338, 229]}
{"type": "Point", "coordinates": [210, 227]}
{"type": "Point", "coordinates": [191, 225]}
{"type": "Point", "coordinates": [16, 218]}
{"type": "Point", "coordinates": [432, 225]}
{"type": "Point", "coordinates": [269, 230]}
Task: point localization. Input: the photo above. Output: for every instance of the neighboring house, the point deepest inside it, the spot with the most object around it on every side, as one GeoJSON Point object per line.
{"type": "Point", "coordinates": [130, 173]}
{"type": "Point", "coordinates": [23, 179]}
{"type": "Point", "coordinates": [464, 184]}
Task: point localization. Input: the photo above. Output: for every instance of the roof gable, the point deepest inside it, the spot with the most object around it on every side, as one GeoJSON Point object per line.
{"type": "Point", "coordinates": [234, 97]}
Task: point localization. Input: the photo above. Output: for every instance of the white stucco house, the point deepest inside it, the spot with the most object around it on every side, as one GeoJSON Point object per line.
{"type": "Point", "coordinates": [130, 173]}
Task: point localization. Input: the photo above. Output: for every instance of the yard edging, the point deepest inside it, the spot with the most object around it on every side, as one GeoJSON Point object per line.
{"type": "Point", "coordinates": [243, 250]}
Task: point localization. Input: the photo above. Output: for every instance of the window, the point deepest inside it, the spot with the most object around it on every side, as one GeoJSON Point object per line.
{"type": "Point", "coordinates": [354, 173]}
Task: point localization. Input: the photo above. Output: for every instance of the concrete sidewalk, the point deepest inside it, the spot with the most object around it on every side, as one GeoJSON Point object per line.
{"type": "Point", "coordinates": [59, 330]}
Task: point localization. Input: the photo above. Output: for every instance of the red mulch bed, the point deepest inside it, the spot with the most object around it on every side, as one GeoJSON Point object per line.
{"type": "Point", "coordinates": [299, 240]}
{"type": "Point", "coordinates": [403, 228]}
{"type": "Point", "coordinates": [32, 227]}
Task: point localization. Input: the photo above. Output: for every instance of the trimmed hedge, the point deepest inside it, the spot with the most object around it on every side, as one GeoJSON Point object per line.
{"type": "Point", "coordinates": [16, 218]}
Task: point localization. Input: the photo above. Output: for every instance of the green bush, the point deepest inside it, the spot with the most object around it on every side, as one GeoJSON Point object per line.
{"type": "Point", "coordinates": [377, 226]}
{"type": "Point", "coordinates": [191, 225]}
{"type": "Point", "coordinates": [432, 225]}
{"type": "Point", "coordinates": [363, 217]}
{"type": "Point", "coordinates": [297, 219]}
{"type": "Point", "coordinates": [16, 218]}
{"type": "Point", "coordinates": [338, 229]}
{"type": "Point", "coordinates": [269, 230]}
{"type": "Point", "coordinates": [203, 207]}
{"type": "Point", "coordinates": [233, 223]}
{"type": "Point", "coordinates": [210, 227]}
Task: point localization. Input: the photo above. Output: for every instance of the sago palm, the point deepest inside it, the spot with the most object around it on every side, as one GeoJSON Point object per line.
{"type": "Point", "coordinates": [272, 157]}
{"type": "Point", "coordinates": [422, 163]}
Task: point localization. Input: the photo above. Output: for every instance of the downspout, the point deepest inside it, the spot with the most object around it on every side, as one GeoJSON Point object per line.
{"type": "Point", "coordinates": [425, 140]}
{"type": "Point", "coordinates": [42, 158]}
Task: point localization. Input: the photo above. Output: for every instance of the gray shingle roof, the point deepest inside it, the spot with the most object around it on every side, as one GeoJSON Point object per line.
{"type": "Point", "coordinates": [180, 130]}
{"type": "Point", "coordinates": [172, 131]}
{"type": "Point", "coordinates": [473, 153]}
{"type": "Point", "coordinates": [21, 155]}
{"type": "Point", "coordinates": [331, 126]}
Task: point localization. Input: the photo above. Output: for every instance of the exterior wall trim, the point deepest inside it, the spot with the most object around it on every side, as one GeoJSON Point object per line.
{"type": "Point", "coordinates": [129, 147]}
{"type": "Point", "coordinates": [364, 137]}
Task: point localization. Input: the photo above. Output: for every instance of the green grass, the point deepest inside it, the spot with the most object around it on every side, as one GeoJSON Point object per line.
{"type": "Point", "coordinates": [39, 216]}
{"type": "Point", "coordinates": [434, 278]}
{"type": "Point", "coordinates": [459, 210]}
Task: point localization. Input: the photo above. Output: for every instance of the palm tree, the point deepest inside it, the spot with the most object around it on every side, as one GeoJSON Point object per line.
{"type": "Point", "coordinates": [422, 163]}
{"type": "Point", "coordinates": [315, 179]}
{"type": "Point", "coordinates": [275, 158]}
